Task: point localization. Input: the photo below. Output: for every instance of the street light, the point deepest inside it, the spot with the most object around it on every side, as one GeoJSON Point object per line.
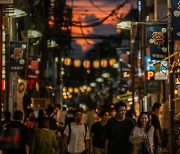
{"type": "Point", "coordinates": [128, 25]}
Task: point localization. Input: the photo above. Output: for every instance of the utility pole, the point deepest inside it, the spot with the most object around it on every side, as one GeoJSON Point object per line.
{"type": "Point", "coordinates": [132, 41]}
{"type": "Point", "coordinates": [1, 98]}
{"type": "Point", "coordinates": [171, 80]}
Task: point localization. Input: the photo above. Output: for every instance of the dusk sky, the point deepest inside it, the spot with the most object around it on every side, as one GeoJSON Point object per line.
{"type": "Point", "coordinates": [90, 11]}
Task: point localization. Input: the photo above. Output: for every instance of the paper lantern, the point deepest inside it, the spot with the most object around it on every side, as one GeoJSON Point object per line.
{"type": "Point", "coordinates": [77, 63]}
{"type": "Point", "coordinates": [104, 63]}
{"type": "Point", "coordinates": [64, 89]}
{"type": "Point", "coordinates": [86, 63]}
{"type": "Point", "coordinates": [112, 61]}
{"type": "Point", "coordinates": [96, 64]}
{"type": "Point", "coordinates": [70, 89]}
{"type": "Point", "coordinates": [88, 89]}
{"type": "Point", "coordinates": [76, 90]}
{"type": "Point", "coordinates": [67, 61]}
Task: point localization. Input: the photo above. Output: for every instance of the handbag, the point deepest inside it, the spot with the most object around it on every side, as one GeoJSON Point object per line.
{"type": "Point", "coordinates": [10, 138]}
{"type": "Point", "coordinates": [146, 147]}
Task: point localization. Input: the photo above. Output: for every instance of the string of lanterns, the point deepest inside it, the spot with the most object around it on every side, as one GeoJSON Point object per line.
{"type": "Point", "coordinates": [87, 63]}
{"type": "Point", "coordinates": [68, 91]}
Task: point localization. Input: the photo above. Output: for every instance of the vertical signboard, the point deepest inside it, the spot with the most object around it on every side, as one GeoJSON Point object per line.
{"type": "Point", "coordinates": [176, 19]}
{"type": "Point", "coordinates": [157, 38]}
{"type": "Point", "coordinates": [17, 55]}
{"type": "Point", "coordinates": [34, 67]}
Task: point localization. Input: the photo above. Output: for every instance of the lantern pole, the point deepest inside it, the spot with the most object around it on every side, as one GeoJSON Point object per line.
{"type": "Point", "coordinates": [171, 80]}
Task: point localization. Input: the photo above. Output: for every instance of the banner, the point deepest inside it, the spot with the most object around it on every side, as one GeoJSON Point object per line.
{"type": "Point", "coordinates": [124, 58]}
{"type": "Point", "coordinates": [17, 55]}
{"type": "Point", "coordinates": [157, 38]}
{"type": "Point", "coordinates": [176, 19]}
{"type": "Point", "coordinates": [34, 67]}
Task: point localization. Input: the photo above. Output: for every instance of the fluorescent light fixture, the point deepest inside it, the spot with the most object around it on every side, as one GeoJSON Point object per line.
{"type": "Point", "coordinates": [15, 13]}
{"type": "Point", "coordinates": [124, 25]}
{"type": "Point", "coordinates": [31, 33]}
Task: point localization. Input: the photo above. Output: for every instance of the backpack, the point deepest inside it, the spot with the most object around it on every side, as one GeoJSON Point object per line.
{"type": "Point", "coordinates": [69, 125]}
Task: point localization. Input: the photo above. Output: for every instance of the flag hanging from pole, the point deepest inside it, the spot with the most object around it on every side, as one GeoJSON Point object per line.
{"type": "Point", "coordinates": [17, 55]}
{"type": "Point", "coordinates": [176, 19]}
{"type": "Point", "coordinates": [34, 67]}
{"type": "Point", "coordinates": [124, 59]}
{"type": "Point", "coordinates": [157, 38]}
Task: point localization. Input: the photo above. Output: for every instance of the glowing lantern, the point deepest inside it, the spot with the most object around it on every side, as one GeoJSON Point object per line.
{"type": "Point", "coordinates": [76, 90]}
{"type": "Point", "coordinates": [70, 89]}
{"type": "Point", "coordinates": [112, 61]}
{"type": "Point", "coordinates": [77, 63]}
{"type": "Point", "coordinates": [86, 63]}
{"type": "Point", "coordinates": [88, 89]}
{"type": "Point", "coordinates": [96, 64]}
{"type": "Point", "coordinates": [64, 89]}
{"type": "Point", "coordinates": [70, 96]}
{"type": "Point", "coordinates": [104, 63]}
{"type": "Point", "coordinates": [67, 61]}
{"type": "Point", "coordinates": [65, 97]}
{"type": "Point", "coordinates": [82, 89]}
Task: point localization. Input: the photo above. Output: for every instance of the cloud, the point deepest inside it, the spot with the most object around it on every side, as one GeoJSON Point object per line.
{"type": "Point", "coordinates": [89, 12]}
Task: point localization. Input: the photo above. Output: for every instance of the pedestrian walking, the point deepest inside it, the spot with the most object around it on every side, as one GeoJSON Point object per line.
{"type": "Point", "coordinates": [156, 110]}
{"type": "Point", "coordinates": [118, 130]}
{"type": "Point", "coordinates": [142, 135]}
{"type": "Point", "coordinates": [76, 136]}
{"type": "Point", "coordinates": [43, 140]}
{"type": "Point", "coordinates": [24, 133]}
{"type": "Point", "coordinates": [98, 133]}
{"type": "Point", "coordinates": [31, 122]}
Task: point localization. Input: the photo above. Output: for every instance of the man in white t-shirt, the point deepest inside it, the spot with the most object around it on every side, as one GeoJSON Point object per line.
{"type": "Point", "coordinates": [76, 136]}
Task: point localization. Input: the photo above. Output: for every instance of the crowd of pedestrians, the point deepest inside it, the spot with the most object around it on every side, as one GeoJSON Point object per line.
{"type": "Point", "coordinates": [107, 131]}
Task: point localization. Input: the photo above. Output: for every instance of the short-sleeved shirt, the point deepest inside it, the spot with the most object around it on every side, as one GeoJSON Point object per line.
{"type": "Point", "coordinates": [25, 137]}
{"type": "Point", "coordinates": [76, 143]}
{"type": "Point", "coordinates": [156, 123]}
{"type": "Point", "coordinates": [118, 132]}
{"type": "Point", "coordinates": [99, 135]}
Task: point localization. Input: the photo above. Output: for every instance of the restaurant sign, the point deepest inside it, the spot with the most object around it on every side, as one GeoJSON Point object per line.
{"type": "Point", "coordinates": [6, 2]}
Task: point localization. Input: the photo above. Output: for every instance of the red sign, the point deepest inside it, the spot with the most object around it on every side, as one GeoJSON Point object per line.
{"type": "Point", "coordinates": [3, 85]}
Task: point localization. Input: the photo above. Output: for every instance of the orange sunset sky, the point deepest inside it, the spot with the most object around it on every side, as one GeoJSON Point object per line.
{"type": "Point", "coordinates": [91, 11]}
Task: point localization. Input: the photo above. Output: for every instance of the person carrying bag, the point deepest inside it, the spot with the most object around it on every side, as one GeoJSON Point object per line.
{"type": "Point", "coordinates": [142, 135]}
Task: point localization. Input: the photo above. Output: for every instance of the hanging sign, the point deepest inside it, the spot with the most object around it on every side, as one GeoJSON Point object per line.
{"type": "Point", "coordinates": [124, 58]}
{"type": "Point", "coordinates": [152, 86]}
{"type": "Point", "coordinates": [34, 67]}
{"type": "Point", "coordinates": [176, 19]}
{"type": "Point", "coordinates": [17, 55]}
{"type": "Point", "coordinates": [150, 65]}
{"type": "Point", "coordinates": [6, 2]}
{"type": "Point", "coordinates": [157, 38]}
{"type": "Point", "coordinates": [161, 75]}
